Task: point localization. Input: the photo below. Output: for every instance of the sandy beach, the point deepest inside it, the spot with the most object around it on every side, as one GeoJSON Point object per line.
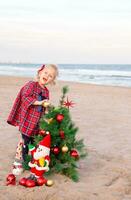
{"type": "Point", "coordinates": [103, 115]}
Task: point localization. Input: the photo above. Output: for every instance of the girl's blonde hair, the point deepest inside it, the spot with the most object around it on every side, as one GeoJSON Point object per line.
{"type": "Point", "coordinates": [48, 65]}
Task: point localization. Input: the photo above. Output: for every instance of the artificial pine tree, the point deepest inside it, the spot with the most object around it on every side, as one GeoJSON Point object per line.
{"type": "Point", "coordinates": [65, 149]}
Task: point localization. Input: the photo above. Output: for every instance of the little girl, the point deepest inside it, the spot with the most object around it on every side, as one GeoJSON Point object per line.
{"type": "Point", "coordinates": [27, 110]}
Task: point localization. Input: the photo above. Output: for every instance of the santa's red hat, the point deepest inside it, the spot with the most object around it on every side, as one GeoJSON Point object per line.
{"type": "Point", "coordinates": [46, 141]}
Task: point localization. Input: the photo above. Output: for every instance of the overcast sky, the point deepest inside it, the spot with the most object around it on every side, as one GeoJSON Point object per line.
{"type": "Point", "coordinates": [65, 31]}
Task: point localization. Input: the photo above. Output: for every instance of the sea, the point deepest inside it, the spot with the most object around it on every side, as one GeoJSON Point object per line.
{"type": "Point", "coordinates": [99, 74]}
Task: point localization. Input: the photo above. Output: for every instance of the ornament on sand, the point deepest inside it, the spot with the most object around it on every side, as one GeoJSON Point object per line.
{"type": "Point", "coordinates": [11, 179]}
{"type": "Point", "coordinates": [30, 183]}
{"type": "Point", "coordinates": [27, 182]}
{"type": "Point", "coordinates": [22, 181]}
{"type": "Point", "coordinates": [50, 183]}
{"type": "Point", "coordinates": [41, 181]}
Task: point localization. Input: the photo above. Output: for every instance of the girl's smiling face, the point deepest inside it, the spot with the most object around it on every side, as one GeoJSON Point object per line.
{"type": "Point", "coordinates": [47, 75]}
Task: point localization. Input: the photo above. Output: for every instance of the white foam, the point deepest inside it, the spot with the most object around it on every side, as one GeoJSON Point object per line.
{"type": "Point", "coordinates": [94, 72]}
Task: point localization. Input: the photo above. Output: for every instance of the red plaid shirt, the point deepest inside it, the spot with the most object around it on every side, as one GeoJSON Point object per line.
{"type": "Point", "coordinates": [24, 114]}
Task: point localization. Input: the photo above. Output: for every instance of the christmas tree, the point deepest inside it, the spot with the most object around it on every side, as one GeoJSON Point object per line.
{"type": "Point", "coordinates": [66, 150]}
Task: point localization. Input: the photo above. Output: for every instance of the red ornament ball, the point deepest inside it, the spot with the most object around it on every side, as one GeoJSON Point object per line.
{"type": "Point", "coordinates": [74, 153]}
{"type": "Point", "coordinates": [42, 132]}
{"type": "Point", "coordinates": [41, 181]}
{"type": "Point", "coordinates": [30, 183]}
{"type": "Point", "coordinates": [22, 181]}
{"type": "Point", "coordinates": [59, 117]}
{"type": "Point", "coordinates": [62, 134]}
{"type": "Point", "coordinates": [56, 150]}
{"type": "Point", "coordinates": [11, 179]}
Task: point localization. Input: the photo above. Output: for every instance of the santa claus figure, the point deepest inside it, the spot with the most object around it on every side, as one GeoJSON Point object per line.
{"type": "Point", "coordinates": [39, 163]}
{"type": "Point", "coordinates": [40, 157]}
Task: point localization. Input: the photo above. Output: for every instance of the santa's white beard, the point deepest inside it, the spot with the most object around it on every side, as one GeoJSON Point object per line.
{"type": "Point", "coordinates": [41, 154]}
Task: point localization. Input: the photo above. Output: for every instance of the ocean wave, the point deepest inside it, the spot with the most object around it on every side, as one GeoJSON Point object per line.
{"type": "Point", "coordinates": [68, 70]}
{"type": "Point", "coordinates": [113, 75]}
{"type": "Point", "coordinates": [15, 68]}
{"type": "Point", "coordinates": [100, 73]}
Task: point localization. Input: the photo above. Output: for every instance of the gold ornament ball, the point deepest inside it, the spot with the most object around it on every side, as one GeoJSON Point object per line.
{"type": "Point", "coordinates": [46, 104]}
{"type": "Point", "coordinates": [50, 183]}
{"type": "Point", "coordinates": [64, 149]}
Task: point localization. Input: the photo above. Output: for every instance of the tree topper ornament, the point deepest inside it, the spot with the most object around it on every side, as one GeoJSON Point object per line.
{"type": "Point", "coordinates": [68, 103]}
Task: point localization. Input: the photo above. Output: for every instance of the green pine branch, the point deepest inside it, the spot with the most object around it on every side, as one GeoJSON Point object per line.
{"type": "Point", "coordinates": [65, 89]}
